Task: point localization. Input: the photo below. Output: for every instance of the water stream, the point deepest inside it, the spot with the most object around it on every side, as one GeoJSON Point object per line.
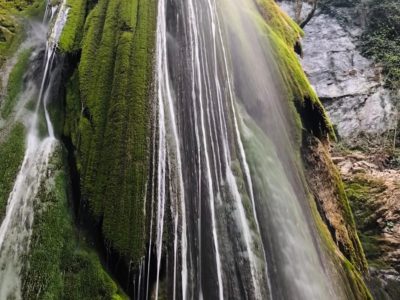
{"type": "Point", "coordinates": [16, 228]}
{"type": "Point", "coordinates": [226, 179]}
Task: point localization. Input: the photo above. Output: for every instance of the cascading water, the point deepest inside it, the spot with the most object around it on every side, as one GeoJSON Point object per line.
{"type": "Point", "coordinates": [16, 228]}
{"type": "Point", "coordinates": [225, 177]}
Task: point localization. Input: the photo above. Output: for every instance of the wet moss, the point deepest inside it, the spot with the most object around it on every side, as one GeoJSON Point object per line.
{"type": "Point", "coordinates": [11, 156]}
{"type": "Point", "coordinates": [362, 192]}
{"type": "Point", "coordinates": [11, 26]}
{"type": "Point", "coordinates": [72, 33]}
{"type": "Point", "coordinates": [73, 109]}
{"type": "Point", "coordinates": [356, 282]}
{"type": "Point", "coordinates": [60, 265]}
{"type": "Point", "coordinates": [284, 26]}
{"type": "Point", "coordinates": [15, 83]}
{"type": "Point", "coordinates": [108, 115]}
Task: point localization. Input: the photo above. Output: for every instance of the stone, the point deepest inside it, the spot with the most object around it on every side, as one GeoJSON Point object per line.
{"type": "Point", "coordinates": [350, 86]}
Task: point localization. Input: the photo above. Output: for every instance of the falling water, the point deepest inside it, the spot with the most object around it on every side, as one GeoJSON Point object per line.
{"type": "Point", "coordinates": [235, 200]}
{"type": "Point", "coordinates": [16, 228]}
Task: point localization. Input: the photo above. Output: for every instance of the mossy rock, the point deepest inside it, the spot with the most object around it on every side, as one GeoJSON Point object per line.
{"type": "Point", "coordinates": [11, 24]}
{"type": "Point", "coordinates": [11, 156]}
{"type": "Point", "coordinates": [108, 113]}
{"type": "Point", "coordinates": [60, 265]}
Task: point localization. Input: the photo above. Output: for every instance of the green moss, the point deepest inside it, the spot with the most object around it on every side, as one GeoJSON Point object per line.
{"type": "Point", "coordinates": [326, 183]}
{"type": "Point", "coordinates": [287, 29]}
{"type": "Point", "coordinates": [362, 192]}
{"type": "Point", "coordinates": [73, 30]}
{"type": "Point", "coordinates": [73, 109]}
{"type": "Point", "coordinates": [352, 281]}
{"type": "Point", "coordinates": [15, 82]}
{"type": "Point", "coordinates": [11, 156]}
{"type": "Point", "coordinates": [349, 263]}
{"type": "Point", "coordinates": [356, 282]}
{"type": "Point", "coordinates": [107, 117]}
{"type": "Point", "coordinates": [283, 33]}
{"type": "Point", "coordinates": [59, 264]}
{"type": "Point", "coordinates": [310, 115]}
{"type": "Point", "coordinates": [11, 27]}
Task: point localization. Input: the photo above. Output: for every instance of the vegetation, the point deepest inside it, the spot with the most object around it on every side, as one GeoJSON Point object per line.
{"type": "Point", "coordinates": [61, 266]}
{"type": "Point", "coordinates": [11, 28]}
{"type": "Point", "coordinates": [107, 116]}
{"type": "Point", "coordinates": [381, 39]}
{"type": "Point", "coordinates": [284, 34]}
{"type": "Point", "coordinates": [11, 155]}
{"type": "Point", "coordinates": [326, 5]}
{"type": "Point", "coordinates": [15, 82]}
{"type": "Point", "coordinates": [73, 29]}
{"type": "Point", "coordinates": [362, 191]}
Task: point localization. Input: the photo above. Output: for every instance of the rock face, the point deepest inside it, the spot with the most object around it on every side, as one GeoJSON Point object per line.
{"type": "Point", "coordinates": [374, 192]}
{"type": "Point", "coordinates": [350, 85]}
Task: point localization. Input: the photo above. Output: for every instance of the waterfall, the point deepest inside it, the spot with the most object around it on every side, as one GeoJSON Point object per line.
{"type": "Point", "coordinates": [16, 228]}
{"type": "Point", "coordinates": [226, 182]}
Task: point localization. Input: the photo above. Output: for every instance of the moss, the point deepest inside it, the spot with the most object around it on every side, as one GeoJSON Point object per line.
{"type": "Point", "coordinates": [352, 282]}
{"type": "Point", "coordinates": [73, 109]}
{"type": "Point", "coordinates": [283, 33]}
{"type": "Point", "coordinates": [59, 264]}
{"type": "Point", "coordinates": [310, 116]}
{"type": "Point", "coordinates": [346, 256]}
{"type": "Point", "coordinates": [72, 33]}
{"type": "Point", "coordinates": [15, 83]}
{"type": "Point", "coordinates": [356, 254]}
{"type": "Point", "coordinates": [11, 35]}
{"type": "Point", "coordinates": [287, 29]}
{"type": "Point", "coordinates": [362, 192]}
{"type": "Point", "coordinates": [11, 156]}
{"type": "Point", "coordinates": [356, 282]}
{"type": "Point", "coordinates": [11, 27]}
{"type": "Point", "coordinates": [107, 117]}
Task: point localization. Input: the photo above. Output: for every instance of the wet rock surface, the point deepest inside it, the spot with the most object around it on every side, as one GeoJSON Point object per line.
{"type": "Point", "coordinates": [350, 85]}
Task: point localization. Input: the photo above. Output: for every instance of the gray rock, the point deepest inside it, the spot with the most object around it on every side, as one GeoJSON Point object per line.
{"type": "Point", "coordinates": [349, 85]}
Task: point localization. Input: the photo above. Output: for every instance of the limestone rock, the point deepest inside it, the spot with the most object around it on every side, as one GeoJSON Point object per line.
{"type": "Point", "coordinates": [350, 85]}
